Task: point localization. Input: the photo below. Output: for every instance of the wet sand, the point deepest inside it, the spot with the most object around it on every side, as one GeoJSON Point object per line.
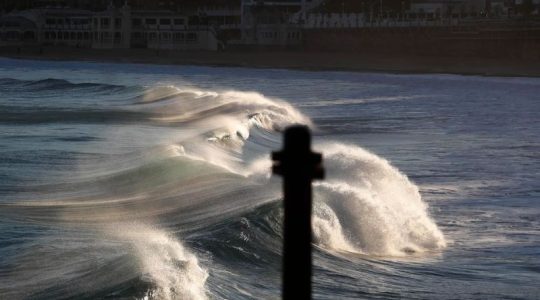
{"type": "Point", "coordinates": [313, 61]}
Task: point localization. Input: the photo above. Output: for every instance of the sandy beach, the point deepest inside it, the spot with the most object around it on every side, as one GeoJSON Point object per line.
{"type": "Point", "coordinates": [313, 61]}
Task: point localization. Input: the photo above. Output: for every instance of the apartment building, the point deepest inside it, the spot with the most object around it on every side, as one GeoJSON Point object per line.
{"type": "Point", "coordinates": [115, 27]}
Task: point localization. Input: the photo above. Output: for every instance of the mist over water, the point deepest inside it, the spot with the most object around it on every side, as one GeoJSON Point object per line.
{"type": "Point", "coordinates": [132, 181]}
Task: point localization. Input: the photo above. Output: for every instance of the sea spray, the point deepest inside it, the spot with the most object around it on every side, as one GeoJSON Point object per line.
{"type": "Point", "coordinates": [366, 205]}
{"type": "Point", "coordinates": [164, 262]}
{"type": "Point", "coordinates": [221, 121]}
{"type": "Point", "coordinates": [176, 105]}
{"type": "Point", "coordinates": [380, 211]}
{"type": "Point", "coordinates": [327, 230]}
{"type": "Point", "coordinates": [206, 161]}
{"type": "Point", "coordinates": [73, 155]}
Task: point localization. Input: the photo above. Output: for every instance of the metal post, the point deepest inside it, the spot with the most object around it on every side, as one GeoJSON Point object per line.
{"type": "Point", "coordinates": [298, 166]}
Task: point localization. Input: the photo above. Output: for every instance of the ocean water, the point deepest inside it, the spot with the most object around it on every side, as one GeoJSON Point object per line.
{"type": "Point", "coordinates": [153, 182]}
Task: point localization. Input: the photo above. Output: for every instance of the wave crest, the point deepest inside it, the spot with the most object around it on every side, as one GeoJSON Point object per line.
{"type": "Point", "coordinates": [380, 211]}
{"type": "Point", "coordinates": [164, 261]}
{"type": "Point", "coordinates": [175, 105]}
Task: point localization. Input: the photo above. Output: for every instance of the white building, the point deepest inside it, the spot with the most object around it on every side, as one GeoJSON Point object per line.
{"type": "Point", "coordinates": [446, 7]}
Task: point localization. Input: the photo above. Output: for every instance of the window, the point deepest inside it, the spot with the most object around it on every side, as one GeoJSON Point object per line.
{"type": "Point", "coordinates": [117, 22]}
{"type": "Point", "coordinates": [152, 36]}
{"type": "Point", "coordinates": [270, 35]}
{"type": "Point", "coordinates": [179, 36]}
{"type": "Point", "coordinates": [165, 36]}
{"type": "Point", "coordinates": [178, 21]}
{"type": "Point", "coordinates": [150, 21]}
{"type": "Point", "coordinates": [191, 37]}
{"type": "Point", "coordinates": [137, 22]}
{"type": "Point", "coordinates": [105, 22]}
{"type": "Point", "coordinates": [165, 22]}
{"type": "Point", "coordinates": [50, 21]}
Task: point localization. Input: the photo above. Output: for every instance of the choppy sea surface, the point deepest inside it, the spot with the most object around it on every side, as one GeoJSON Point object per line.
{"type": "Point", "coordinates": [153, 182]}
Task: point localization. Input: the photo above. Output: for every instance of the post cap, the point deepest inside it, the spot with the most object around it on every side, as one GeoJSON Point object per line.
{"type": "Point", "coordinates": [296, 157]}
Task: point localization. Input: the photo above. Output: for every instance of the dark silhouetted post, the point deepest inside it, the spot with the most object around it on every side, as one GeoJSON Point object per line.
{"type": "Point", "coordinates": [298, 166]}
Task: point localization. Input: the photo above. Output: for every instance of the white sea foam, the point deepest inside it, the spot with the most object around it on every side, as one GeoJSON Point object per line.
{"type": "Point", "coordinates": [164, 262]}
{"type": "Point", "coordinates": [365, 205]}
{"type": "Point", "coordinates": [224, 120]}
{"type": "Point", "coordinates": [189, 105]}
{"type": "Point", "coordinates": [327, 230]}
{"type": "Point", "coordinates": [380, 211]}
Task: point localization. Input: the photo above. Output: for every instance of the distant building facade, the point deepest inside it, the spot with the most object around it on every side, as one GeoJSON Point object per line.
{"type": "Point", "coordinates": [113, 28]}
{"type": "Point", "coordinates": [212, 24]}
{"type": "Point", "coordinates": [475, 8]}
{"type": "Point", "coordinates": [18, 30]}
{"type": "Point", "coordinates": [65, 27]}
{"type": "Point", "coordinates": [275, 23]}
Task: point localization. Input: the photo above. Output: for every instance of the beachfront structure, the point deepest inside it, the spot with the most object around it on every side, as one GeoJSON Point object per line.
{"type": "Point", "coordinates": [212, 24]}
{"type": "Point", "coordinates": [161, 29]}
{"type": "Point", "coordinates": [475, 8]}
{"type": "Point", "coordinates": [274, 23]}
{"type": "Point", "coordinates": [65, 27]}
{"type": "Point", "coordinates": [113, 28]}
{"type": "Point", "coordinates": [18, 30]}
{"type": "Point", "coordinates": [445, 7]}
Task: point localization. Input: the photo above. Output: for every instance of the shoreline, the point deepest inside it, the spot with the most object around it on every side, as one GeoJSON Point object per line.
{"type": "Point", "coordinates": [292, 60]}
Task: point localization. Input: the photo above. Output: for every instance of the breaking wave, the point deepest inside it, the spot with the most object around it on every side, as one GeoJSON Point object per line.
{"type": "Point", "coordinates": [212, 167]}
{"type": "Point", "coordinates": [372, 207]}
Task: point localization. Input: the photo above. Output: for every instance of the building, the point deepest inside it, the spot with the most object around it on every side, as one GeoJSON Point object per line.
{"type": "Point", "coordinates": [527, 7]}
{"type": "Point", "coordinates": [65, 27]}
{"type": "Point", "coordinates": [212, 24]}
{"type": "Point", "coordinates": [449, 7]}
{"type": "Point", "coordinates": [275, 23]}
{"type": "Point", "coordinates": [115, 27]}
{"type": "Point", "coordinates": [18, 30]}
{"type": "Point", "coordinates": [475, 8]}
